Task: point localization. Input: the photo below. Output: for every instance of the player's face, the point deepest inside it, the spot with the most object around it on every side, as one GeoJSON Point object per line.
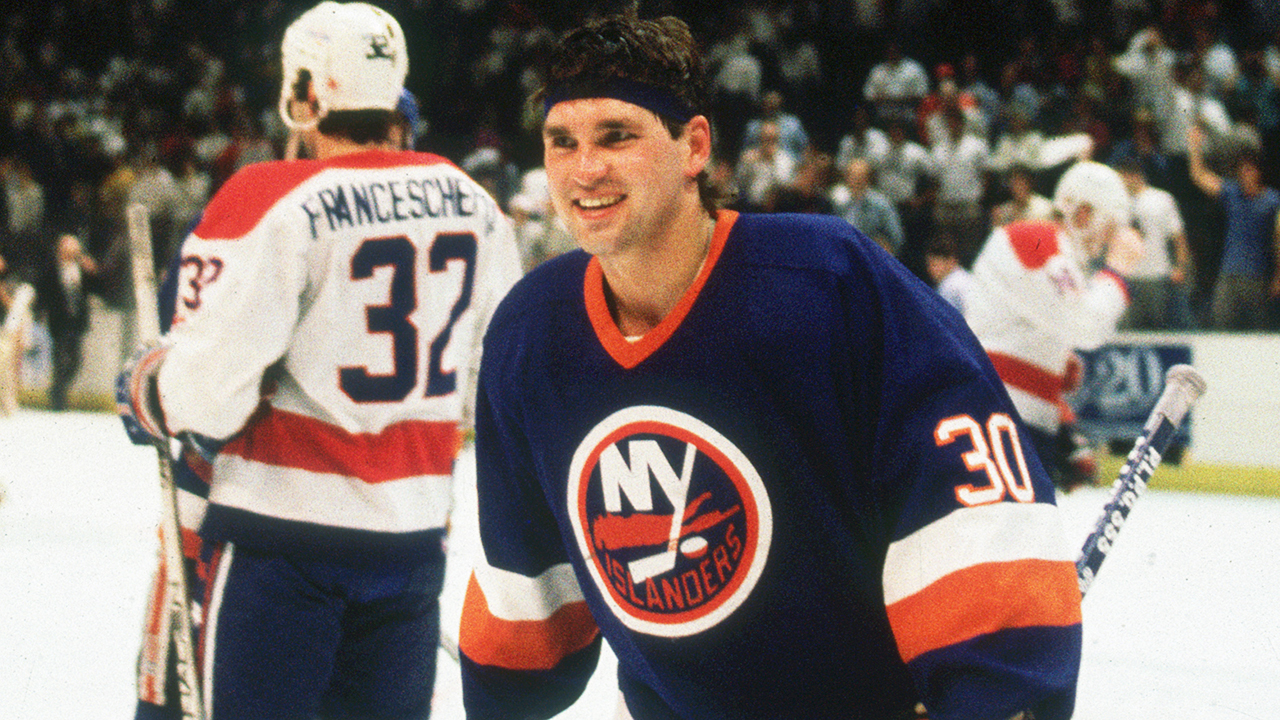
{"type": "Point", "coordinates": [617, 177]}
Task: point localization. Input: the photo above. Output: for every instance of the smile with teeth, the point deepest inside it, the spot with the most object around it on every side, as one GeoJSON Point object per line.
{"type": "Point", "coordinates": [599, 202]}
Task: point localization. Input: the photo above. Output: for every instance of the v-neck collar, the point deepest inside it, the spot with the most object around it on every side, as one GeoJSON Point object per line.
{"type": "Point", "coordinates": [628, 353]}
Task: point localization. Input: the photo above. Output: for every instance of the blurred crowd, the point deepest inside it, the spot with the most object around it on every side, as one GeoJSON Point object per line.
{"type": "Point", "coordinates": [925, 123]}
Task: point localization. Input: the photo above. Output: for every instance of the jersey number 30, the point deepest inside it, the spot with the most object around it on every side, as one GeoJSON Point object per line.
{"type": "Point", "coordinates": [989, 456]}
{"type": "Point", "coordinates": [400, 255]}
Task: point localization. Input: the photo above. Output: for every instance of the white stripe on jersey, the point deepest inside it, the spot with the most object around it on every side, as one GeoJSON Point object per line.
{"type": "Point", "coordinates": [1000, 532]}
{"type": "Point", "coordinates": [512, 596]}
{"type": "Point", "coordinates": [396, 506]}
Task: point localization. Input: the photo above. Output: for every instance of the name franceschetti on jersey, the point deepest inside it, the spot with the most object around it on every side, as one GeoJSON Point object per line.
{"type": "Point", "coordinates": [369, 203]}
{"type": "Point", "coordinates": [672, 518]}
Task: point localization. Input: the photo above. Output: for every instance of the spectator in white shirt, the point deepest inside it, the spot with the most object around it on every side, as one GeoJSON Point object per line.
{"type": "Point", "coordinates": [905, 177]}
{"type": "Point", "coordinates": [904, 168]}
{"type": "Point", "coordinates": [959, 163]}
{"type": "Point", "coordinates": [1148, 65]}
{"type": "Point", "coordinates": [948, 276]}
{"type": "Point", "coordinates": [791, 133]}
{"type": "Point", "coordinates": [1218, 60]}
{"type": "Point", "coordinates": [896, 84]}
{"type": "Point", "coordinates": [1024, 202]}
{"type": "Point", "coordinates": [1159, 284]}
{"type": "Point", "coordinates": [863, 140]}
{"type": "Point", "coordinates": [1192, 104]}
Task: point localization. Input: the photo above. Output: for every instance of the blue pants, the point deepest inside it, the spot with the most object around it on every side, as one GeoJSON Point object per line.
{"type": "Point", "coordinates": [306, 639]}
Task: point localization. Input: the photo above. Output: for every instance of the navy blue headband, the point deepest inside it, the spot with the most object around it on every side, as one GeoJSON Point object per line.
{"type": "Point", "coordinates": [649, 97]}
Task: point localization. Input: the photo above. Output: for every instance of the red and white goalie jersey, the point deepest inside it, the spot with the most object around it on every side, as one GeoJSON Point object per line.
{"type": "Point", "coordinates": [328, 322]}
{"type": "Point", "coordinates": [1032, 302]}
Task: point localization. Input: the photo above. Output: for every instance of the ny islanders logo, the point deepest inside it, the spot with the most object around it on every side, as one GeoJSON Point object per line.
{"type": "Point", "coordinates": [672, 517]}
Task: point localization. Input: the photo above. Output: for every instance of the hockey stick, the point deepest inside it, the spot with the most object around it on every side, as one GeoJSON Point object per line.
{"type": "Point", "coordinates": [1182, 387]}
{"type": "Point", "coordinates": [147, 327]}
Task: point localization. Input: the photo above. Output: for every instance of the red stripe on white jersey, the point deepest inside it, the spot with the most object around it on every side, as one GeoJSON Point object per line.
{"type": "Point", "coordinates": [1028, 377]}
{"type": "Point", "coordinates": [411, 448]}
{"type": "Point", "coordinates": [1119, 280]}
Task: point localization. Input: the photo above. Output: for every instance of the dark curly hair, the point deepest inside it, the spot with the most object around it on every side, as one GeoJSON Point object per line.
{"type": "Point", "coordinates": [660, 54]}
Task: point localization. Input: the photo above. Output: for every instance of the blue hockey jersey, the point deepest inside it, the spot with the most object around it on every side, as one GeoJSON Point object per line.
{"type": "Point", "coordinates": [805, 494]}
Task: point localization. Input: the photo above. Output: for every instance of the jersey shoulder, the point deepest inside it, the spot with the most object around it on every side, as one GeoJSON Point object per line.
{"type": "Point", "coordinates": [1034, 242]}
{"type": "Point", "coordinates": [788, 246]}
{"type": "Point", "coordinates": [800, 241]}
{"type": "Point", "coordinates": [249, 194]}
{"type": "Point", "coordinates": [554, 286]}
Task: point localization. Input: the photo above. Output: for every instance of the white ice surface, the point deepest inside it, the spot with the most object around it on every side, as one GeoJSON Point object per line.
{"type": "Point", "coordinates": [1183, 622]}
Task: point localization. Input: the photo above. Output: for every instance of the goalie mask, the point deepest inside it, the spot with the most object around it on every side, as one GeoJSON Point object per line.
{"type": "Point", "coordinates": [1099, 187]}
{"type": "Point", "coordinates": [353, 54]}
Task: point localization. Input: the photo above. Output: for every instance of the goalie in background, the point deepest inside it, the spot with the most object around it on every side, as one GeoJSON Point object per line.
{"type": "Point", "coordinates": [1040, 290]}
{"type": "Point", "coordinates": [326, 330]}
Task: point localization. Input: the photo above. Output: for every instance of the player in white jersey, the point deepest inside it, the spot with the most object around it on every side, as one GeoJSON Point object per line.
{"type": "Point", "coordinates": [327, 326]}
{"type": "Point", "coordinates": [1043, 289]}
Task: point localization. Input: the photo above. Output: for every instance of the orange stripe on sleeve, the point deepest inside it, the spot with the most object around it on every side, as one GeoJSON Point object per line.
{"type": "Point", "coordinates": [522, 644]}
{"type": "Point", "coordinates": [983, 599]}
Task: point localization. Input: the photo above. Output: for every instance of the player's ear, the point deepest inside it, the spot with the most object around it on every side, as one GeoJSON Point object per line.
{"type": "Point", "coordinates": [697, 134]}
{"type": "Point", "coordinates": [302, 105]}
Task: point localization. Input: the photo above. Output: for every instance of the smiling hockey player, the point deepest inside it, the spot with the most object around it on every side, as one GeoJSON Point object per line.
{"type": "Point", "coordinates": [753, 452]}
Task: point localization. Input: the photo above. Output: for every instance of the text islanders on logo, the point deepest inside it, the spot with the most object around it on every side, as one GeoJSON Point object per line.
{"type": "Point", "coordinates": [672, 517]}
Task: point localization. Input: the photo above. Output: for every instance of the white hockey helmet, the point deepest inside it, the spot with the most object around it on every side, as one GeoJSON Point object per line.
{"type": "Point", "coordinates": [355, 54]}
{"type": "Point", "coordinates": [1101, 188]}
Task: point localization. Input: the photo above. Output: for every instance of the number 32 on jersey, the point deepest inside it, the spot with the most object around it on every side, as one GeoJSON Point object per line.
{"type": "Point", "coordinates": [989, 449]}
{"type": "Point", "coordinates": [393, 318]}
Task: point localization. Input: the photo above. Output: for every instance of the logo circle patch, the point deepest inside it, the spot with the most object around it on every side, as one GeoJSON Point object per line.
{"type": "Point", "coordinates": [673, 519]}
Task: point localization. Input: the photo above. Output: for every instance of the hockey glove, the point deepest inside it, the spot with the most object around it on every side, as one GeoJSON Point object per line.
{"type": "Point", "coordinates": [137, 398]}
{"type": "Point", "coordinates": [205, 447]}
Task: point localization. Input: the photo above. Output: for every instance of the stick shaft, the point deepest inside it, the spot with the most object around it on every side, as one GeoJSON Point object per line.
{"type": "Point", "coordinates": [147, 328]}
{"type": "Point", "coordinates": [1183, 386]}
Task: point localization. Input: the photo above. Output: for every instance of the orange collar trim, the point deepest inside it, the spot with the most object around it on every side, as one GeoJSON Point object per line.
{"type": "Point", "coordinates": [629, 354]}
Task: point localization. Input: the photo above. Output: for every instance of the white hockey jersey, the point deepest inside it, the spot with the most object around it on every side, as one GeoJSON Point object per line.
{"type": "Point", "coordinates": [328, 322]}
{"type": "Point", "coordinates": [1032, 302]}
